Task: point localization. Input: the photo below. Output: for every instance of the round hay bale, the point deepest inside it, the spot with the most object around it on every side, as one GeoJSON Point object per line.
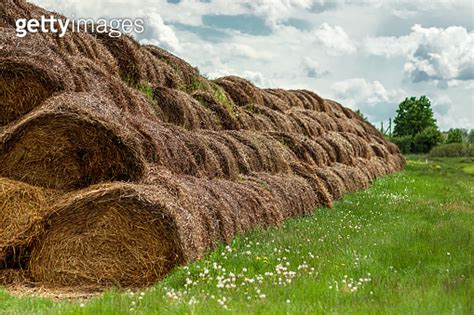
{"type": "Point", "coordinates": [12, 277]}
{"type": "Point", "coordinates": [188, 74]}
{"type": "Point", "coordinates": [23, 88]}
{"type": "Point", "coordinates": [22, 207]}
{"type": "Point", "coordinates": [241, 91]}
{"type": "Point", "coordinates": [111, 235]}
{"type": "Point", "coordinates": [334, 184]}
{"type": "Point", "coordinates": [182, 110]}
{"type": "Point", "coordinates": [74, 141]}
{"type": "Point", "coordinates": [320, 189]}
{"type": "Point", "coordinates": [226, 114]}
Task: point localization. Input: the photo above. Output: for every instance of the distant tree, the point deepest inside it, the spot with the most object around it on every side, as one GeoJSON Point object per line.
{"type": "Point", "coordinates": [471, 136]}
{"type": "Point", "coordinates": [425, 140]}
{"type": "Point", "coordinates": [413, 116]}
{"type": "Point", "coordinates": [455, 136]}
{"type": "Point", "coordinates": [415, 128]}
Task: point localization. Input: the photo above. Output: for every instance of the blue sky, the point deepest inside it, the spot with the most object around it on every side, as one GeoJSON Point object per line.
{"type": "Point", "coordinates": [367, 55]}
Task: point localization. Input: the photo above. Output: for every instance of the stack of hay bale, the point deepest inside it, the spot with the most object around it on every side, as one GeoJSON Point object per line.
{"type": "Point", "coordinates": [102, 185]}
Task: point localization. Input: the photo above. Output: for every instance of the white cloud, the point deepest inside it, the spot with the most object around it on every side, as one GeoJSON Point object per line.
{"type": "Point", "coordinates": [449, 113]}
{"type": "Point", "coordinates": [160, 34]}
{"type": "Point", "coordinates": [256, 78]}
{"type": "Point", "coordinates": [371, 97]}
{"type": "Point", "coordinates": [430, 53]}
{"type": "Point", "coordinates": [358, 90]}
{"type": "Point", "coordinates": [312, 68]}
{"type": "Point", "coordinates": [334, 39]}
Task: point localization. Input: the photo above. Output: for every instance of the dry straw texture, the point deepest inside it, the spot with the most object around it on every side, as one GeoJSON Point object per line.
{"type": "Point", "coordinates": [119, 161]}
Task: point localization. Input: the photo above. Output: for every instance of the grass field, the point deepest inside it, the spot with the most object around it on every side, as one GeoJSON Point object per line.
{"type": "Point", "coordinates": [404, 246]}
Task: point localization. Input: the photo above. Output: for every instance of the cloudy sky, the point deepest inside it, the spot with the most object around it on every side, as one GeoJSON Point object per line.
{"type": "Point", "coordinates": [368, 55]}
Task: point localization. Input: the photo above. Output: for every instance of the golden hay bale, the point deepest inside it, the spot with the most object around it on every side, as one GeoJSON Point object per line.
{"type": "Point", "coordinates": [241, 91]}
{"type": "Point", "coordinates": [34, 72]}
{"type": "Point", "coordinates": [110, 235]}
{"type": "Point", "coordinates": [22, 207]}
{"type": "Point", "coordinates": [319, 188]}
{"type": "Point", "coordinates": [304, 148]}
{"type": "Point", "coordinates": [73, 43]}
{"type": "Point", "coordinates": [21, 90]}
{"type": "Point", "coordinates": [184, 76]}
{"type": "Point", "coordinates": [334, 184]}
{"type": "Point", "coordinates": [73, 141]}
{"type": "Point", "coordinates": [182, 110]}
{"type": "Point", "coordinates": [131, 235]}
{"type": "Point", "coordinates": [12, 277]}
{"type": "Point", "coordinates": [225, 112]}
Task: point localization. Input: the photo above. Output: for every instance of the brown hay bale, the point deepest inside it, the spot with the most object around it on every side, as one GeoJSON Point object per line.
{"type": "Point", "coordinates": [131, 235]}
{"type": "Point", "coordinates": [330, 150]}
{"type": "Point", "coordinates": [241, 91]}
{"type": "Point", "coordinates": [11, 277]}
{"type": "Point", "coordinates": [187, 73]}
{"type": "Point", "coordinates": [293, 195]}
{"type": "Point", "coordinates": [182, 110]}
{"type": "Point", "coordinates": [226, 116]}
{"type": "Point", "coordinates": [228, 160]}
{"type": "Point", "coordinates": [131, 60]}
{"type": "Point", "coordinates": [379, 150]}
{"type": "Point", "coordinates": [73, 43]}
{"type": "Point", "coordinates": [22, 88]}
{"type": "Point", "coordinates": [342, 147]}
{"type": "Point", "coordinates": [320, 189]}
{"type": "Point", "coordinates": [305, 149]}
{"type": "Point", "coordinates": [354, 179]}
{"type": "Point", "coordinates": [264, 153]}
{"type": "Point", "coordinates": [26, 76]}
{"type": "Point", "coordinates": [304, 124]}
{"type": "Point", "coordinates": [27, 65]}
{"type": "Point", "coordinates": [273, 102]}
{"type": "Point", "coordinates": [333, 182]}
{"type": "Point", "coordinates": [110, 235]}
{"type": "Point", "coordinates": [22, 207]}
{"type": "Point", "coordinates": [72, 141]}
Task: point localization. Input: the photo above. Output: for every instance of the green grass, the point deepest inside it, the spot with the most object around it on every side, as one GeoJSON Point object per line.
{"type": "Point", "coordinates": [403, 246]}
{"type": "Point", "coordinates": [469, 169]}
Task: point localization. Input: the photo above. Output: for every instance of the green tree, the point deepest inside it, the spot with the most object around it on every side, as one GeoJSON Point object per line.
{"type": "Point", "coordinates": [413, 116]}
{"type": "Point", "coordinates": [455, 136]}
{"type": "Point", "coordinates": [425, 140]}
{"type": "Point", "coordinates": [471, 136]}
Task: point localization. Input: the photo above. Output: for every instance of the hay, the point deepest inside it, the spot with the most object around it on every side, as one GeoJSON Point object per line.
{"type": "Point", "coordinates": [73, 43]}
{"type": "Point", "coordinates": [131, 235]}
{"type": "Point", "coordinates": [191, 165]}
{"type": "Point", "coordinates": [22, 89]}
{"type": "Point", "coordinates": [241, 91]}
{"type": "Point", "coordinates": [73, 141]}
{"type": "Point", "coordinates": [183, 73]}
{"type": "Point", "coordinates": [22, 207]}
{"type": "Point", "coordinates": [107, 236]}
{"type": "Point", "coordinates": [182, 110]}
{"type": "Point", "coordinates": [226, 117]}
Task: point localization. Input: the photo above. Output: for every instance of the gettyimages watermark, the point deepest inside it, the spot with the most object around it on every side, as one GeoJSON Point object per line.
{"type": "Point", "coordinates": [51, 24]}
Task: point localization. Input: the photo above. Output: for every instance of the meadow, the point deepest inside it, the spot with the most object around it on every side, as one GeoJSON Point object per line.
{"type": "Point", "coordinates": [405, 245]}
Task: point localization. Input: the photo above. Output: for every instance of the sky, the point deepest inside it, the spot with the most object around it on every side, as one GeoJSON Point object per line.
{"type": "Point", "coordinates": [367, 54]}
